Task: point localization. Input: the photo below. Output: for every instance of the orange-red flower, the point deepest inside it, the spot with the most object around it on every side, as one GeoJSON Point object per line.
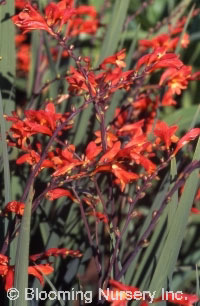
{"type": "Point", "coordinates": [58, 193]}
{"type": "Point", "coordinates": [123, 176]}
{"type": "Point", "coordinates": [164, 40]}
{"type": "Point", "coordinates": [35, 122]}
{"type": "Point", "coordinates": [177, 80]}
{"type": "Point", "coordinates": [191, 135]}
{"type": "Point", "coordinates": [159, 59]}
{"type": "Point", "coordinates": [168, 98]}
{"type": "Point", "coordinates": [7, 271]}
{"type": "Point", "coordinates": [55, 252]}
{"type": "Point", "coordinates": [178, 298]}
{"type": "Point", "coordinates": [30, 19]}
{"type": "Point", "coordinates": [78, 83]}
{"type": "Point", "coordinates": [195, 211]}
{"type": "Point", "coordinates": [19, 4]}
{"type": "Point", "coordinates": [65, 161]}
{"type": "Point", "coordinates": [23, 58]}
{"type": "Point", "coordinates": [165, 133]}
{"type": "Point", "coordinates": [100, 216]}
{"type": "Point", "coordinates": [84, 21]}
{"type": "Point", "coordinates": [39, 270]}
{"type": "Point", "coordinates": [116, 59]}
{"type": "Point", "coordinates": [14, 206]}
{"type": "Point", "coordinates": [110, 138]}
{"type": "Point", "coordinates": [58, 14]}
{"type": "Point", "coordinates": [111, 153]}
{"type": "Point", "coordinates": [3, 259]}
{"type": "Point", "coordinates": [120, 293]}
{"type": "Point", "coordinates": [92, 150]}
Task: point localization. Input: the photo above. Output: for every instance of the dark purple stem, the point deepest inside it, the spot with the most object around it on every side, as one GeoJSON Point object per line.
{"type": "Point", "coordinates": [95, 250]}
{"type": "Point", "coordinates": [180, 182]}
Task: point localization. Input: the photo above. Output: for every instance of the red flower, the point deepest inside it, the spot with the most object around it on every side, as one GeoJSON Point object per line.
{"type": "Point", "coordinates": [101, 217]}
{"type": "Point", "coordinates": [110, 138]}
{"type": "Point", "coordinates": [156, 42]}
{"type": "Point", "coordinates": [7, 272]}
{"type": "Point", "coordinates": [20, 4]}
{"type": "Point", "coordinates": [86, 10]}
{"type": "Point", "coordinates": [58, 14]}
{"type": "Point", "coordinates": [118, 295]}
{"type": "Point", "coordinates": [32, 158]}
{"type": "Point", "coordinates": [123, 176]}
{"type": "Point", "coordinates": [191, 135]}
{"type": "Point", "coordinates": [195, 210]}
{"type": "Point", "coordinates": [78, 25]}
{"type": "Point", "coordinates": [78, 83]}
{"type": "Point", "coordinates": [177, 80]}
{"type": "Point", "coordinates": [131, 128]}
{"type": "Point", "coordinates": [23, 58]}
{"type": "Point", "coordinates": [168, 98]}
{"type": "Point", "coordinates": [92, 150]}
{"type": "Point", "coordinates": [14, 206]}
{"type": "Point", "coordinates": [179, 298]}
{"type": "Point", "coordinates": [3, 259]}
{"type": "Point", "coordinates": [30, 19]}
{"type": "Point", "coordinates": [166, 133]}
{"type": "Point", "coordinates": [55, 252]}
{"type": "Point", "coordinates": [159, 59]}
{"type": "Point", "coordinates": [58, 193]}
{"type": "Point", "coordinates": [35, 122]}
{"type": "Point", "coordinates": [65, 162]}
{"type": "Point", "coordinates": [39, 270]}
{"type": "Point", "coordinates": [197, 198]}
{"type": "Point", "coordinates": [164, 40]}
{"type": "Point", "coordinates": [115, 59]}
{"type": "Point", "coordinates": [110, 155]}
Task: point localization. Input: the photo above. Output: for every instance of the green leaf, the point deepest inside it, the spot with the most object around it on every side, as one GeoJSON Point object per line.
{"type": "Point", "coordinates": [169, 255]}
{"type": "Point", "coordinates": [7, 54]}
{"type": "Point", "coordinates": [131, 277]}
{"type": "Point", "coordinates": [117, 97]}
{"type": "Point", "coordinates": [114, 29]}
{"type": "Point", "coordinates": [52, 71]}
{"type": "Point", "coordinates": [5, 154]}
{"type": "Point", "coordinates": [184, 29]}
{"type": "Point", "coordinates": [53, 288]}
{"type": "Point", "coordinates": [183, 118]}
{"type": "Point", "coordinates": [22, 254]}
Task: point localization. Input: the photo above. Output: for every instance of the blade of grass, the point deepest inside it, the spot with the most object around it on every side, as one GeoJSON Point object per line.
{"type": "Point", "coordinates": [169, 255]}
{"type": "Point", "coordinates": [52, 72]}
{"type": "Point", "coordinates": [5, 154]}
{"type": "Point", "coordinates": [197, 280]}
{"type": "Point", "coordinates": [22, 254]}
{"type": "Point", "coordinates": [119, 94]}
{"type": "Point", "coordinates": [7, 53]}
{"type": "Point", "coordinates": [184, 29]}
{"type": "Point", "coordinates": [113, 33]}
{"type": "Point", "coordinates": [130, 276]}
{"type": "Point", "coordinates": [183, 118]}
{"type": "Point", "coordinates": [35, 41]}
{"type": "Point", "coordinates": [157, 241]}
{"type": "Point", "coordinates": [53, 288]}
